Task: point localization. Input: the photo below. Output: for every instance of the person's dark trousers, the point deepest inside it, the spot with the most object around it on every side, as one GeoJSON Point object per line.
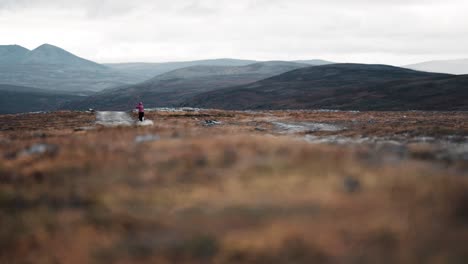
{"type": "Point", "coordinates": [141, 115]}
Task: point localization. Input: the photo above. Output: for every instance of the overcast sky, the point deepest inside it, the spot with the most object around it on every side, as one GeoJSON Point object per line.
{"type": "Point", "coordinates": [370, 31]}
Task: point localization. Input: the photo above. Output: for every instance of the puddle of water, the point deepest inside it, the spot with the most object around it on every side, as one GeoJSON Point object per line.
{"type": "Point", "coordinates": [295, 127]}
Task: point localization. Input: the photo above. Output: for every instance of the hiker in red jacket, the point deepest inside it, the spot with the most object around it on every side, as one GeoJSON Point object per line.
{"type": "Point", "coordinates": [141, 111]}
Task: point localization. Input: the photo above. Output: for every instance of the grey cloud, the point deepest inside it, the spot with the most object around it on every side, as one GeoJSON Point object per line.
{"type": "Point", "coordinates": [112, 30]}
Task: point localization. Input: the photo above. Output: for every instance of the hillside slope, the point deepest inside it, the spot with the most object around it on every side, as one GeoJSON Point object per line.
{"type": "Point", "coordinates": [443, 66]}
{"type": "Point", "coordinates": [149, 70]}
{"type": "Point", "coordinates": [315, 62]}
{"type": "Point", "coordinates": [344, 86]}
{"type": "Point", "coordinates": [172, 88]}
{"type": "Point", "coordinates": [12, 54]}
{"type": "Point", "coordinates": [18, 99]}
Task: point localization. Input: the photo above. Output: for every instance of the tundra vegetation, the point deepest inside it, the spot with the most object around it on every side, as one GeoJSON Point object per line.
{"type": "Point", "coordinates": [208, 186]}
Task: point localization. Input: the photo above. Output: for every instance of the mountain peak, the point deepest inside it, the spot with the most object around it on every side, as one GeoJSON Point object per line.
{"type": "Point", "coordinates": [12, 53]}
{"type": "Point", "coordinates": [48, 54]}
{"type": "Point", "coordinates": [46, 45]}
{"type": "Point", "coordinates": [48, 48]}
{"type": "Point", "coordinates": [13, 46]}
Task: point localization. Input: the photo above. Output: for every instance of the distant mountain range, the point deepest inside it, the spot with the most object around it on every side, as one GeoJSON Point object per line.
{"type": "Point", "coordinates": [150, 70]}
{"type": "Point", "coordinates": [344, 86]}
{"type": "Point", "coordinates": [442, 66]}
{"type": "Point", "coordinates": [170, 89]}
{"type": "Point", "coordinates": [45, 54]}
{"type": "Point", "coordinates": [52, 68]}
{"type": "Point", "coordinates": [49, 78]}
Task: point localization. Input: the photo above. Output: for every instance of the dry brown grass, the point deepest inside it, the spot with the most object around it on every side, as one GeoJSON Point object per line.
{"type": "Point", "coordinates": [231, 193]}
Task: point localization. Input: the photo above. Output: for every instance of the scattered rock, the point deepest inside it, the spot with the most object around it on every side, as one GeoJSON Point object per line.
{"type": "Point", "coordinates": [351, 184]}
{"type": "Point", "coordinates": [84, 128]}
{"type": "Point", "coordinates": [38, 176]}
{"type": "Point", "coordinates": [422, 139]}
{"type": "Point", "coordinates": [173, 109]}
{"type": "Point", "coordinates": [146, 138]}
{"type": "Point", "coordinates": [4, 141]}
{"type": "Point", "coordinates": [260, 129]}
{"type": "Point", "coordinates": [391, 151]}
{"type": "Point", "coordinates": [145, 123]}
{"type": "Point", "coordinates": [39, 134]}
{"type": "Point", "coordinates": [40, 148]}
{"type": "Point", "coordinates": [176, 134]}
{"type": "Point", "coordinates": [297, 127]}
{"type": "Point", "coordinates": [189, 109]}
{"type": "Point", "coordinates": [211, 122]}
{"type": "Point", "coordinates": [10, 155]}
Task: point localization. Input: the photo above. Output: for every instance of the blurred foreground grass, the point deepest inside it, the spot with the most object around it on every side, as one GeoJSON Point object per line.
{"type": "Point", "coordinates": [234, 193]}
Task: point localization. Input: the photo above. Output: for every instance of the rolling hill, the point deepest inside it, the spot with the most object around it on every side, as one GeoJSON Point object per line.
{"type": "Point", "coordinates": [149, 70]}
{"type": "Point", "coordinates": [269, 68]}
{"type": "Point", "coordinates": [344, 86]}
{"type": "Point", "coordinates": [443, 66]}
{"type": "Point", "coordinates": [314, 62]}
{"type": "Point", "coordinates": [18, 99]}
{"type": "Point", "coordinates": [174, 87]}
